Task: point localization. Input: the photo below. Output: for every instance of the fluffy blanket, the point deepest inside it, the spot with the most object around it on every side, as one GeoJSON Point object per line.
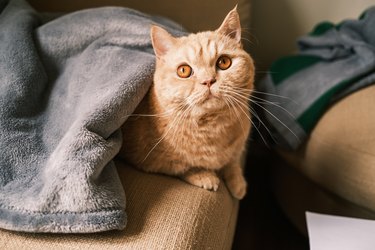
{"type": "Point", "coordinates": [333, 61]}
{"type": "Point", "coordinates": [66, 88]}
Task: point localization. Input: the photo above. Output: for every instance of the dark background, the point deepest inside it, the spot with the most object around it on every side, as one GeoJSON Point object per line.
{"type": "Point", "coordinates": [261, 223]}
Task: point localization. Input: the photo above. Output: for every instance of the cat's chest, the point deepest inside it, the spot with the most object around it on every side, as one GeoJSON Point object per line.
{"type": "Point", "coordinates": [206, 142]}
{"type": "Point", "coordinates": [204, 131]}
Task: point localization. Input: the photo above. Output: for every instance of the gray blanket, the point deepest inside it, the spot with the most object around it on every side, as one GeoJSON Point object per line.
{"type": "Point", "coordinates": [66, 88]}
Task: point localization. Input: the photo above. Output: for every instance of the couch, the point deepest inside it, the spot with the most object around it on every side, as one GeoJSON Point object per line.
{"type": "Point", "coordinates": [163, 212]}
{"type": "Point", "coordinates": [333, 171]}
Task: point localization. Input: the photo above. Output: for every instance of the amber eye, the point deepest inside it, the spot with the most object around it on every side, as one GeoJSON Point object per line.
{"type": "Point", "coordinates": [224, 62]}
{"type": "Point", "coordinates": [184, 71]}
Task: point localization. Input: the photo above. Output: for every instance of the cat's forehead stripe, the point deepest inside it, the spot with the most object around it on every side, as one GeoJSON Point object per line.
{"type": "Point", "coordinates": [212, 48]}
{"type": "Point", "coordinates": [201, 47]}
{"type": "Point", "coordinates": [200, 53]}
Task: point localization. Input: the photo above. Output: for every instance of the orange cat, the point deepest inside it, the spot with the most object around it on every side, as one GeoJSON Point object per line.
{"type": "Point", "coordinates": [195, 120]}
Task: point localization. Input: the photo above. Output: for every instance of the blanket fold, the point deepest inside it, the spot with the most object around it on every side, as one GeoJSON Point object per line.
{"type": "Point", "coordinates": [66, 87]}
{"type": "Point", "coordinates": [332, 61]}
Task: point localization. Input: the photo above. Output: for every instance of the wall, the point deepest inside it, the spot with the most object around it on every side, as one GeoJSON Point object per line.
{"type": "Point", "coordinates": [275, 24]}
{"type": "Point", "coordinates": [194, 15]}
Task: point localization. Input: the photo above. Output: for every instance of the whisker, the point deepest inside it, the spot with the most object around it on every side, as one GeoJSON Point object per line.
{"type": "Point", "coordinates": [239, 88]}
{"type": "Point", "coordinates": [247, 31]}
{"type": "Point", "coordinates": [253, 112]}
{"type": "Point", "coordinates": [275, 95]}
{"type": "Point", "coordinates": [265, 102]}
{"type": "Point", "coordinates": [238, 93]}
{"type": "Point", "coordinates": [248, 116]}
{"type": "Point", "coordinates": [275, 104]}
{"type": "Point", "coordinates": [256, 116]}
{"type": "Point", "coordinates": [164, 134]}
{"type": "Point", "coordinates": [247, 40]}
{"type": "Point", "coordinates": [232, 108]}
{"type": "Point", "coordinates": [269, 112]}
{"type": "Point", "coordinates": [269, 94]}
{"type": "Point", "coordinates": [183, 117]}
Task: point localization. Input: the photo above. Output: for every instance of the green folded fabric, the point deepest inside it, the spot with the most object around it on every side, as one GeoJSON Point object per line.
{"type": "Point", "coordinates": [332, 61]}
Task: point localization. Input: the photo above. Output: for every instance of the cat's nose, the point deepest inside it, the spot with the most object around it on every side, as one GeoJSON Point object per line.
{"type": "Point", "coordinates": [209, 82]}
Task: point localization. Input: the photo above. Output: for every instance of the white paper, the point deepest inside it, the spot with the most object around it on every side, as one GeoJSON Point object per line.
{"type": "Point", "coordinates": [327, 232]}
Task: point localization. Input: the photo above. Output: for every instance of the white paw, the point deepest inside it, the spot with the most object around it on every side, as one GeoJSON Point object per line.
{"type": "Point", "coordinates": [204, 179]}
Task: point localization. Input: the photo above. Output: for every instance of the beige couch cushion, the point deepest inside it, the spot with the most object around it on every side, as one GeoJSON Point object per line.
{"type": "Point", "coordinates": [297, 194]}
{"type": "Point", "coordinates": [163, 213]}
{"type": "Point", "coordinates": [340, 153]}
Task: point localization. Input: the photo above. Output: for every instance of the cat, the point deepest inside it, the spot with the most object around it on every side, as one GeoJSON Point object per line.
{"type": "Point", "coordinates": [194, 121]}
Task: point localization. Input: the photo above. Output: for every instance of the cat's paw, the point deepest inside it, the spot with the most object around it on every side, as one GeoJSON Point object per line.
{"type": "Point", "coordinates": [237, 186]}
{"type": "Point", "coordinates": [203, 178]}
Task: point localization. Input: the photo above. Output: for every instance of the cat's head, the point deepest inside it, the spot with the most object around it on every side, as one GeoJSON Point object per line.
{"type": "Point", "coordinates": [206, 71]}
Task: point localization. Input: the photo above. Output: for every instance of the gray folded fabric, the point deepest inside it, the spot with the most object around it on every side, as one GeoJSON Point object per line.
{"type": "Point", "coordinates": [66, 87]}
{"type": "Point", "coordinates": [332, 62]}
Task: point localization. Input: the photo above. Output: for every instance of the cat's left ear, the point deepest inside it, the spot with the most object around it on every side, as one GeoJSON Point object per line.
{"type": "Point", "coordinates": [161, 40]}
{"type": "Point", "coordinates": [231, 25]}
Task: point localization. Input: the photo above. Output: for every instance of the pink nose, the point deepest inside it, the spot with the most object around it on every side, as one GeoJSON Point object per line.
{"type": "Point", "coordinates": [209, 82]}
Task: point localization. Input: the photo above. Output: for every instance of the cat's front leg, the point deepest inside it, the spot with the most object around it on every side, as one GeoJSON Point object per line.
{"type": "Point", "coordinates": [234, 179]}
{"type": "Point", "coordinates": [203, 178]}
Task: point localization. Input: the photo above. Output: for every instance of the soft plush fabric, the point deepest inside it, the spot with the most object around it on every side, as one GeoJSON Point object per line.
{"type": "Point", "coordinates": [164, 213]}
{"type": "Point", "coordinates": [66, 88]}
{"type": "Point", "coordinates": [339, 157]}
{"type": "Point", "coordinates": [332, 61]}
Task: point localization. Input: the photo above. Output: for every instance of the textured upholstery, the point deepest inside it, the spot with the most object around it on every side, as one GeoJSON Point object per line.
{"type": "Point", "coordinates": [163, 213]}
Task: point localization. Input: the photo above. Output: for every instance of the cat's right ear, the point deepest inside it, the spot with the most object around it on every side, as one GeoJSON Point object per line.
{"type": "Point", "coordinates": [161, 40]}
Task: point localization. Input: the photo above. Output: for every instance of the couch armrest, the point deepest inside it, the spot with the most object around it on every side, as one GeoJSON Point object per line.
{"type": "Point", "coordinates": [163, 213]}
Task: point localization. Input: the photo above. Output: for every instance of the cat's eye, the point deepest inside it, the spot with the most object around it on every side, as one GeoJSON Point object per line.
{"type": "Point", "coordinates": [224, 62]}
{"type": "Point", "coordinates": [184, 71]}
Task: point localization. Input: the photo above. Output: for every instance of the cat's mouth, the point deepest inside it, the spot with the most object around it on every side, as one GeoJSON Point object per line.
{"type": "Point", "coordinates": [209, 97]}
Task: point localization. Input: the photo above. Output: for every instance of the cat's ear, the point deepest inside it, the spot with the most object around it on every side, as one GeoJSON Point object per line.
{"type": "Point", "coordinates": [231, 25]}
{"type": "Point", "coordinates": [161, 40]}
